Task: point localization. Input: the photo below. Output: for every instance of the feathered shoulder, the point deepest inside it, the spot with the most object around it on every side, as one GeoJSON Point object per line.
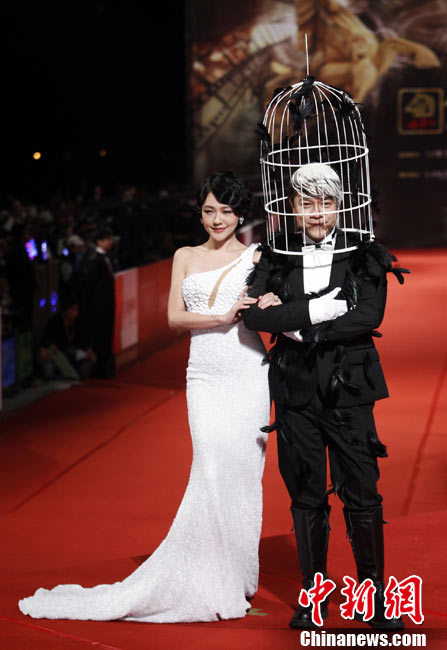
{"type": "Point", "coordinates": [276, 265]}
{"type": "Point", "coordinates": [371, 259]}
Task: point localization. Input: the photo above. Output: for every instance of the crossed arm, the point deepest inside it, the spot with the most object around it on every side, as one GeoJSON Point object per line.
{"type": "Point", "coordinates": [294, 315]}
{"type": "Point", "coordinates": [365, 317]}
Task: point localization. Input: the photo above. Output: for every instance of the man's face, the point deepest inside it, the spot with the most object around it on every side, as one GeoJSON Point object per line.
{"type": "Point", "coordinates": [106, 244]}
{"type": "Point", "coordinates": [316, 217]}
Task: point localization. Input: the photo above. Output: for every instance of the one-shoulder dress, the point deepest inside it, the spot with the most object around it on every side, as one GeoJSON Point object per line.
{"type": "Point", "coordinates": [208, 563]}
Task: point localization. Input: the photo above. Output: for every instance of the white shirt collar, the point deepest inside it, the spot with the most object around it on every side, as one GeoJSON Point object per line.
{"type": "Point", "coordinates": [327, 243]}
{"type": "Point", "coordinates": [98, 249]}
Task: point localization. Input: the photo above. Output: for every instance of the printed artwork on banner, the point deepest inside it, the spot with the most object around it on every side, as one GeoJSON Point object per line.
{"type": "Point", "coordinates": [239, 59]}
{"type": "Point", "coordinates": [380, 52]}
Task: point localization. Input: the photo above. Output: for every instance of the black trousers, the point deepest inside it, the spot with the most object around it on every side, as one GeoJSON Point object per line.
{"type": "Point", "coordinates": [304, 433]}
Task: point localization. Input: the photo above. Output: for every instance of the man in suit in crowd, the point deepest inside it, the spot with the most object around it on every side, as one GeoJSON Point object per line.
{"type": "Point", "coordinates": [98, 303]}
{"type": "Point", "coordinates": [325, 375]}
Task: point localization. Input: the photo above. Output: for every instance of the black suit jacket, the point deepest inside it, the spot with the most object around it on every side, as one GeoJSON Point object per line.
{"type": "Point", "coordinates": [97, 303]}
{"type": "Point", "coordinates": [337, 356]}
{"type": "Point", "coordinates": [99, 293]}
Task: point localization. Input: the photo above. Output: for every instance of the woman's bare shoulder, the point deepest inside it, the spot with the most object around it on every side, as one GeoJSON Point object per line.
{"type": "Point", "coordinates": [256, 256]}
{"type": "Point", "coordinates": [188, 251]}
{"type": "Point", "coordinates": [184, 253]}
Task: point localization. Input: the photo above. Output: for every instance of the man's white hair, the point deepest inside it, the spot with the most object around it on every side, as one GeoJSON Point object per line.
{"type": "Point", "coordinates": [315, 180]}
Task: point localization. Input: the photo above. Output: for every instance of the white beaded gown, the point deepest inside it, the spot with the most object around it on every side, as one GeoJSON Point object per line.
{"type": "Point", "coordinates": [208, 563]}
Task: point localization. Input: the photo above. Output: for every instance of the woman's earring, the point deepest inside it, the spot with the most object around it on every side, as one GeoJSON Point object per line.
{"type": "Point", "coordinates": [241, 220]}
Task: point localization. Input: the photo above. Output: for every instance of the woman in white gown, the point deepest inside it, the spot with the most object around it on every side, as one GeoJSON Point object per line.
{"type": "Point", "coordinates": [207, 565]}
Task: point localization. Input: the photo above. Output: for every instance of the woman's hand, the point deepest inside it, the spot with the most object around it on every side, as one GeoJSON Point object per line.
{"type": "Point", "coordinates": [235, 313]}
{"type": "Point", "coordinates": [269, 300]}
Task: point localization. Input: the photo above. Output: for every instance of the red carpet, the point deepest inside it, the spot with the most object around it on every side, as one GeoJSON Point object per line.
{"type": "Point", "coordinates": [92, 477]}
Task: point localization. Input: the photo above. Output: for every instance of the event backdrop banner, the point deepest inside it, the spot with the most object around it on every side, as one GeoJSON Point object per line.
{"type": "Point", "coordinates": [390, 55]}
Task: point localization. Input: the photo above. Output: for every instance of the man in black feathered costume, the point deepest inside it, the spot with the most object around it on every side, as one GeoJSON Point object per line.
{"type": "Point", "coordinates": [325, 376]}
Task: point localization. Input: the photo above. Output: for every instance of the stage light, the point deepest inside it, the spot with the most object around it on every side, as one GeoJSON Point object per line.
{"type": "Point", "coordinates": [102, 153]}
{"type": "Point", "coordinates": [37, 155]}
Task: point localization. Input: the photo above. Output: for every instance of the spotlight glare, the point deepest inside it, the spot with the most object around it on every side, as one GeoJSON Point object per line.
{"type": "Point", "coordinates": [102, 153]}
{"type": "Point", "coordinates": [37, 155]}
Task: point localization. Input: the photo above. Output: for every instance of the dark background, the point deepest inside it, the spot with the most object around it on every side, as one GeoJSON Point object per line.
{"type": "Point", "coordinates": [80, 77]}
{"type": "Point", "coordinates": [77, 78]}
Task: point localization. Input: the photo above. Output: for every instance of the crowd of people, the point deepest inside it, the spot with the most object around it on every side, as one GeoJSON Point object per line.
{"type": "Point", "coordinates": [90, 237]}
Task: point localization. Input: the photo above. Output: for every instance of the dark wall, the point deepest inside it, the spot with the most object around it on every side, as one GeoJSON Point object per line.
{"type": "Point", "coordinates": [84, 76]}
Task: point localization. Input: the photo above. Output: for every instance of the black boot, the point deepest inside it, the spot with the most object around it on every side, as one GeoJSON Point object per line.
{"type": "Point", "coordinates": [312, 539]}
{"type": "Point", "coordinates": [365, 531]}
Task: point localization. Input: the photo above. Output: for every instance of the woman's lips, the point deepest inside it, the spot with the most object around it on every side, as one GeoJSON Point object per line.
{"type": "Point", "coordinates": [218, 229]}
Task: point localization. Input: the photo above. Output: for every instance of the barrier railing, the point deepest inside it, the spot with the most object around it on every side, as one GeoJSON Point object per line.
{"type": "Point", "coordinates": [141, 322]}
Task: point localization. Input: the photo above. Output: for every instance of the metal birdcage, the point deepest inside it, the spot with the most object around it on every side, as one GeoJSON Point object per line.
{"type": "Point", "coordinates": [312, 122]}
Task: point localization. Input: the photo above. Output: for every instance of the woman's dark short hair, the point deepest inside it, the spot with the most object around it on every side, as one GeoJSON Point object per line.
{"type": "Point", "coordinates": [228, 189]}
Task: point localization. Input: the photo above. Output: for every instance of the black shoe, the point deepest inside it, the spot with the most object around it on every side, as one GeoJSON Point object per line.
{"type": "Point", "coordinates": [382, 623]}
{"type": "Point", "coordinates": [379, 620]}
{"type": "Point", "coordinates": [302, 619]}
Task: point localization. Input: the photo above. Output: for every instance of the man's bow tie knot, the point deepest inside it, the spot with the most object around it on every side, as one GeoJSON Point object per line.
{"type": "Point", "coordinates": [326, 246]}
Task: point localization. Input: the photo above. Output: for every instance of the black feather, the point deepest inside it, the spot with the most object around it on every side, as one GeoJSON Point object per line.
{"type": "Point", "coordinates": [376, 447]}
{"type": "Point", "coordinates": [339, 489]}
{"type": "Point", "coordinates": [266, 141]}
{"type": "Point", "coordinates": [355, 181]}
{"type": "Point", "coordinates": [371, 260]}
{"type": "Point", "coordinates": [263, 133]}
{"type": "Point", "coordinates": [350, 289]}
{"type": "Point", "coordinates": [300, 113]}
{"type": "Point", "coordinates": [343, 377]}
{"type": "Point", "coordinates": [268, 428]}
{"type": "Point", "coordinates": [293, 139]}
{"type": "Point", "coordinates": [304, 89]}
{"type": "Point", "coordinates": [398, 273]}
{"type": "Point", "coordinates": [347, 108]}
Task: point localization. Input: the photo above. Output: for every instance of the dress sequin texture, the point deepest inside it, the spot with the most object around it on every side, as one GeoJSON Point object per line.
{"type": "Point", "coordinates": [208, 563]}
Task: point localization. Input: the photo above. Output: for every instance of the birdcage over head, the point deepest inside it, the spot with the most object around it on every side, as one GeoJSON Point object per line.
{"type": "Point", "coordinates": [315, 169]}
